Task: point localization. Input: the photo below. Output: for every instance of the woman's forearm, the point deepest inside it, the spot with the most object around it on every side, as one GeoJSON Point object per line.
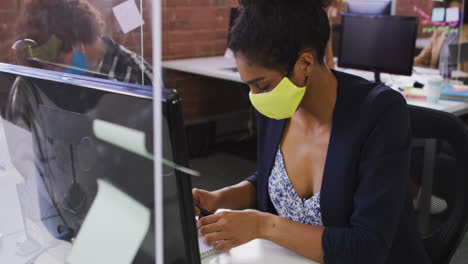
{"type": "Point", "coordinates": [303, 239]}
{"type": "Point", "coordinates": [237, 197]}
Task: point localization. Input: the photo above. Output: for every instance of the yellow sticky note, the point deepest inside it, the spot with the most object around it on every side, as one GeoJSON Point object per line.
{"type": "Point", "coordinates": [460, 88]}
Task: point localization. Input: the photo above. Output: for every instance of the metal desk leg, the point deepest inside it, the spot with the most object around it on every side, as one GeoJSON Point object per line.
{"type": "Point", "coordinates": [426, 186]}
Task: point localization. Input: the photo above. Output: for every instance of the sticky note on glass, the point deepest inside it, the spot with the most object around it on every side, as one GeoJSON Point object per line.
{"type": "Point", "coordinates": [113, 230]}
{"type": "Point", "coordinates": [128, 16]}
{"type": "Point", "coordinates": [438, 14]}
{"type": "Point", "coordinates": [452, 14]}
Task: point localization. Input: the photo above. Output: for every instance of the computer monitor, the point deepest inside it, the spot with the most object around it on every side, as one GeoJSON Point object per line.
{"type": "Point", "coordinates": [68, 158]}
{"type": "Point", "coordinates": [370, 7]}
{"type": "Point", "coordinates": [378, 43]}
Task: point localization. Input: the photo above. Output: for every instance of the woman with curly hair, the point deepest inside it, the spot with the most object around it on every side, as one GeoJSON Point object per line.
{"type": "Point", "coordinates": [67, 35]}
{"type": "Point", "coordinates": [333, 149]}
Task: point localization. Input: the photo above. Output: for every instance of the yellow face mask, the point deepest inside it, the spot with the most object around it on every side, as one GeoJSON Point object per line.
{"type": "Point", "coordinates": [281, 103]}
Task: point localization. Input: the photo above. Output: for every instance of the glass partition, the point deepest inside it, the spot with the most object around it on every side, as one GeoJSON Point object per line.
{"type": "Point", "coordinates": [77, 163]}
{"type": "Point", "coordinates": [76, 133]}
{"type": "Point", "coordinates": [102, 39]}
{"type": "Point", "coordinates": [76, 137]}
{"type": "Point", "coordinates": [442, 25]}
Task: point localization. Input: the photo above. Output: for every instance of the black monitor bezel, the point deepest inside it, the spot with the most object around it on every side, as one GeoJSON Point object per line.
{"type": "Point", "coordinates": [407, 72]}
{"type": "Point", "coordinates": [172, 111]}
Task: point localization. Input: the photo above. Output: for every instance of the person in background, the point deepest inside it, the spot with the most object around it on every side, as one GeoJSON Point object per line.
{"type": "Point", "coordinates": [333, 149]}
{"type": "Point", "coordinates": [437, 54]}
{"type": "Point", "coordinates": [67, 36]}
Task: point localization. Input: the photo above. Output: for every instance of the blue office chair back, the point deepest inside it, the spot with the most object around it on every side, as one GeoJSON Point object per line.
{"type": "Point", "coordinates": [440, 161]}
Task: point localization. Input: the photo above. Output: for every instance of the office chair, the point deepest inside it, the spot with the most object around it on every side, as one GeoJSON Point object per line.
{"type": "Point", "coordinates": [21, 51]}
{"type": "Point", "coordinates": [440, 159]}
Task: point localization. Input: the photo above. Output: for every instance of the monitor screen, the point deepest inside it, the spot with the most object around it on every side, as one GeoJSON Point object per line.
{"type": "Point", "coordinates": [378, 43]}
{"type": "Point", "coordinates": [370, 7]}
{"type": "Point", "coordinates": [61, 160]}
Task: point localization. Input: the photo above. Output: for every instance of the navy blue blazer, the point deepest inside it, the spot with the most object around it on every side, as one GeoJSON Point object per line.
{"type": "Point", "coordinates": [365, 201]}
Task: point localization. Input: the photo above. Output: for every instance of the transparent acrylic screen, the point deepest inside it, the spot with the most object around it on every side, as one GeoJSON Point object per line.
{"type": "Point", "coordinates": [103, 39]}
{"type": "Point", "coordinates": [76, 131]}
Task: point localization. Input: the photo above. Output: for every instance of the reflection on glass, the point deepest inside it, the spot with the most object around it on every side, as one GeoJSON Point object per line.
{"type": "Point", "coordinates": [447, 25]}
{"type": "Point", "coordinates": [69, 36]}
{"type": "Point", "coordinates": [49, 133]}
{"type": "Point", "coordinates": [77, 160]}
{"type": "Point", "coordinates": [59, 150]}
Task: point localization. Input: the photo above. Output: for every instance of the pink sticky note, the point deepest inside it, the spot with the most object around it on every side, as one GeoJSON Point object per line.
{"type": "Point", "coordinates": [452, 14]}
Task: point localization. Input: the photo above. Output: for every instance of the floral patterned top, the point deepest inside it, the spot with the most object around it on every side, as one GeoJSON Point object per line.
{"type": "Point", "coordinates": [285, 199]}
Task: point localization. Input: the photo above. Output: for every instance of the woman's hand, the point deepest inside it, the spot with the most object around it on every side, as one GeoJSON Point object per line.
{"type": "Point", "coordinates": [205, 199]}
{"type": "Point", "coordinates": [230, 229]}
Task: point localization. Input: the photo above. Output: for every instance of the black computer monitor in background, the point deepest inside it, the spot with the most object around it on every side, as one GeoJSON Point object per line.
{"type": "Point", "coordinates": [369, 7]}
{"type": "Point", "coordinates": [69, 158]}
{"type": "Point", "coordinates": [378, 43]}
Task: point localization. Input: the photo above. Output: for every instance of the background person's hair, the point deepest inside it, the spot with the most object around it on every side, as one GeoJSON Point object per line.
{"type": "Point", "coordinates": [71, 21]}
{"type": "Point", "coordinates": [273, 33]}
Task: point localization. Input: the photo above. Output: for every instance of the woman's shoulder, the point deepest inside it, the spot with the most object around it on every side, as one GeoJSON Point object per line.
{"type": "Point", "coordinates": [358, 93]}
{"type": "Point", "coordinates": [362, 104]}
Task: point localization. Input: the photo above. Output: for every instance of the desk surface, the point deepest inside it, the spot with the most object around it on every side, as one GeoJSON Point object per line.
{"type": "Point", "coordinates": [216, 67]}
{"type": "Point", "coordinates": [210, 66]}
{"type": "Point", "coordinates": [257, 251]}
{"type": "Point", "coordinates": [421, 43]}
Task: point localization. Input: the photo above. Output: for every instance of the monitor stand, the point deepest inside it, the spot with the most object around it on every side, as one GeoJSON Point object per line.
{"type": "Point", "coordinates": [377, 77]}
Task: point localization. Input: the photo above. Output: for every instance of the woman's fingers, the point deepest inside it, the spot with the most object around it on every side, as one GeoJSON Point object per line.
{"type": "Point", "coordinates": [195, 194]}
{"type": "Point", "coordinates": [210, 239]}
{"type": "Point", "coordinates": [226, 244]}
{"type": "Point", "coordinates": [208, 220]}
{"type": "Point", "coordinates": [208, 229]}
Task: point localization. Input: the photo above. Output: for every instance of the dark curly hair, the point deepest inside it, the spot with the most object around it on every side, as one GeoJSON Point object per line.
{"type": "Point", "coordinates": [71, 21]}
{"type": "Point", "coordinates": [272, 33]}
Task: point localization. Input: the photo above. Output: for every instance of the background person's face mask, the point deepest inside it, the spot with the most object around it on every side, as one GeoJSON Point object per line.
{"type": "Point", "coordinates": [79, 64]}
{"type": "Point", "coordinates": [280, 103]}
